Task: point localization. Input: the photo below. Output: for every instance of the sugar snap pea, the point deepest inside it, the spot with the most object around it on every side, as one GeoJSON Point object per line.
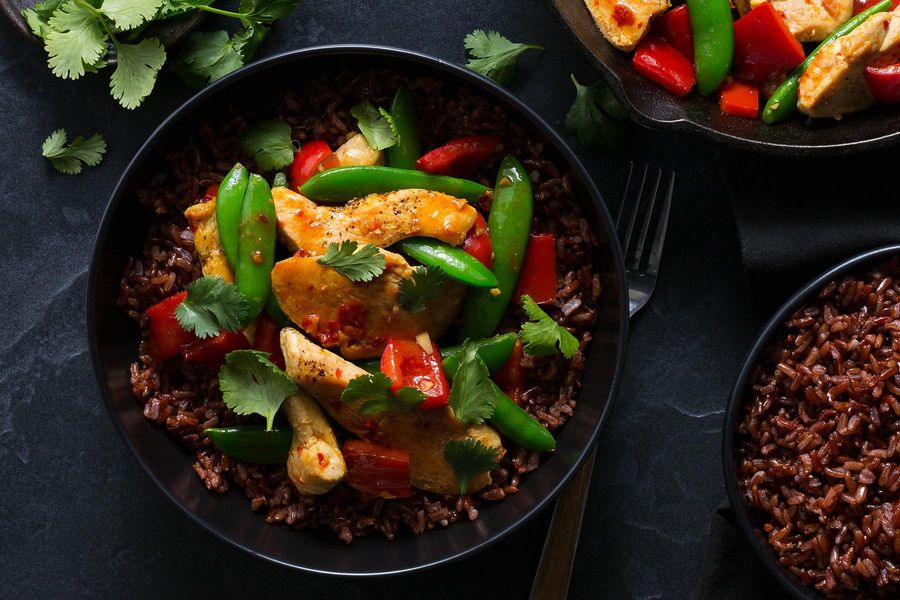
{"type": "Point", "coordinates": [340, 184]}
{"type": "Point", "coordinates": [404, 153]}
{"type": "Point", "coordinates": [456, 263]}
{"type": "Point", "coordinates": [713, 29]}
{"type": "Point", "coordinates": [256, 245]}
{"type": "Point", "coordinates": [229, 203]}
{"type": "Point", "coordinates": [252, 443]}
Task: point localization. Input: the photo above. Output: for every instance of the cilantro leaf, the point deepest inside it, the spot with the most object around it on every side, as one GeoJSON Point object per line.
{"type": "Point", "coordinates": [75, 39]}
{"type": "Point", "coordinates": [128, 14]}
{"type": "Point", "coordinates": [354, 262]}
{"type": "Point", "coordinates": [542, 335]}
{"type": "Point", "coordinates": [493, 55]}
{"type": "Point", "coordinates": [269, 143]}
{"type": "Point", "coordinates": [375, 389]}
{"type": "Point", "coordinates": [596, 117]}
{"type": "Point", "coordinates": [424, 285]}
{"type": "Point", "coordinates": [205, 57]}
{"type": "Point", "coordinates": [135, 73]}
{"type": "Point", "coordinates": [267, 11]}
{"type": "Point", "coordinates": [37, 16]}
{"type": "Point", "coordinates": [376, 124]}
{"type": "Point", "coordinates": [212, 305]}
{"type": "Point", "coordinates": [68, 158]}
{"type": "Point", "coordinates": [251, 384]}
{"type": "Point", "coordinates": [468, 458]}
{"type": "Point", "coordinates": [472, 397]}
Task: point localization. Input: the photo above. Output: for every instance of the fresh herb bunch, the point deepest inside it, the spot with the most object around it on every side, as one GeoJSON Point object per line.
{"type": "Point", "coordinates": [81, 35]}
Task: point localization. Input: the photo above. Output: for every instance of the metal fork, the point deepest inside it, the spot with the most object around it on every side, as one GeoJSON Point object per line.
{"type": "Point", "coordinates": [641, 268]}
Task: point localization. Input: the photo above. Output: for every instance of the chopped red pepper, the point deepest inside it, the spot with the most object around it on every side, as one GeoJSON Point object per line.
{"type": "Point", "coordinates": [211, 352]}
{"type": "Point", "coordinates": [460, 156]}
{"type": "Point", "coordinates": [511, 377]}
{"type": "Point", "coordinates": [267, 338]}
{"type": "Point", "coordinates": [884, 82]}
{"type": "Point", "coordinates": [861, 5]}
{"type": "Point", "coordinates": [764, 47]}
{"type": "Point", "coordinates": [377, 470]}
{"type": "Point", "coordinates": [538, 277]}
{"type": "Point", "coordinates": [211, 192]}
{"type": "Point", "coordinates": [739, 99]}
{"type": "Point", "coordinates": [674, 26]}
{"type": "Point", "coordinates": [406, 363]}
{"type": "Point", "coordinates": [478, 242]}
{"type": "Point", "coordinates": [660, 62]}
{"type": "Point", "coordinates": [313, 157]}
{"type": "Point", "coordinates": [166, 337]}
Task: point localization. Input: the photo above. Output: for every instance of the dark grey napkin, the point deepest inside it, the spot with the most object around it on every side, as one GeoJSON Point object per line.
{"type": "Point", "coordinates": [796, 217]}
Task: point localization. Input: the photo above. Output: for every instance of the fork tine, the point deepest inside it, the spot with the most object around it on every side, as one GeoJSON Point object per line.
{"type": "Point", "coordinates": [660, 237]}
{"type": "Point", "coordinates": [648, 218]}
{"type": "Point", "coordinates": [624, 196]}
{"type": "Point", "coordinates": [635, 209]}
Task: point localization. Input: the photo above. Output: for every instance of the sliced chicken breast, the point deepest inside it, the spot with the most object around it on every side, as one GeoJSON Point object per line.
{"type": "Point", "coordinates": [358, 317]}
{"type": "Point", "coordinates": [315, 464]}
{"type": "Point", "coordinates": [808, 20]}
{"type": "Point", "coordinates": [424, 434]}
{"type": "Point", "coordinates": [207, 243]}
{"type": "Point", "coordinates": [378, 219]}
{"type": "Point", "coordinates": [835, 83]}
{"type": "Point", "coordinates": [625, 22]}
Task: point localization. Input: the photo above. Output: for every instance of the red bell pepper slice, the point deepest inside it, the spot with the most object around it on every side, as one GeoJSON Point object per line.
{"type": "Point", "coordinates": [478, 242]}
{"type": "Point", "coordinates": [211, 192]}
{"type": "Point", "coordinates": [538, 277]}
{"type": "Point", "coordinates": [460, 156]}
{"type": "Point", "coordinates": [763, 45]}
{"type": "Point", "coordinates": [861, 5]}
{"type": "Point", "coordinates": [211, 352]}
{"type": "Point", "coordinates": [660, 62]}
{"type": "Point", "coordinates": [313, 157]}
{"type": "Point", "coordinates": [739, 99]}
{"type": "Point", "coordinates": [267, 338]}
{"type": "Point", "coordinates": [165, 336]}
{"type": "Point", "coordinates": [511, 377]}
{"type": "Point", "coordinates": [674, 26]}
{"type": "Point", "coordinates": [406, 363]}
{"type": "Point", "coordinates": [377, 470]}
{"type": "Point", "coordinates": [884, 82]}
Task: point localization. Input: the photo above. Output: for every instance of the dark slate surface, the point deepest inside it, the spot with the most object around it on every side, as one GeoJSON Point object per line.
{"type": "Point", "coordinates": [79, 517]}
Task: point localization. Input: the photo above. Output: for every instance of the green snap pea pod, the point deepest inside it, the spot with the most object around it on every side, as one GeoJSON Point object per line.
{"type": "Point", "coordinates": [783, 102]}
{"type": "Point", "coordinates": [494, 351]}
{"type": "Point", "coordinates": [405, 152]}
{"type": "Point", "coordinates": [229, 203]}
{"type": "Point", "coordinates": [713, 28]}
{"type": "Point", "coordinates": [256, 245]}
{"type": "Point", "coordinates": [509, 224]}
{"type": "Point", "coordinates": [340, 184]}
{"type": "Point", "coordinates": [456, 263]}
{"type": "Point", "coordinates": [280, 180]}
{"type": "Point", "coordinates": [252, 443]}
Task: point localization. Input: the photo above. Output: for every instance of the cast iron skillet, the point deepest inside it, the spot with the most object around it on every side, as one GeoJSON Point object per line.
{"type": "Point", "coordinates": [654, 107]}
{"type": "Point", "coordinates": [747, 521]}
{"type": "Point", "coordinates": [113, 341]}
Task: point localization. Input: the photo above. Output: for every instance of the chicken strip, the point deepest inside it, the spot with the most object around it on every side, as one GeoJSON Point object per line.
{"type": "Point", "coordinates": [424, 434]}
{"type": "Point", "coordinates": [835, 82]}
{"type": "Point", "coordinates": [315, 464]}
{"type": "Point", "coordinates": [207, 243]}
{"type": "Point", "coordinates": [378, 219]}
{"type": "Point", "coordinates": [808, 20]}
{"type": "Point", "coordinates": [625, 22]}
{"type": "Point", "coordinates": [358, 317]}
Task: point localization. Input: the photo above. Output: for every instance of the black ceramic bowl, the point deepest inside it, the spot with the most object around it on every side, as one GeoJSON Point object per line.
{"type": "Point", "coordinates": [113, 340]}
{"type": "Point", "coordinates": [652, 106]}
{"type": "Point", "coordinates": [747, 520]}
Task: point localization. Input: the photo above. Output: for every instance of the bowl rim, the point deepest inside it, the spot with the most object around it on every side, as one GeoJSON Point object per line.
{"type": "Point", "coordinates": [788, 580]}
{"type": "Point", "coordinates": [450, 70]}
{"type": "Point", "coordinates": [687, 125]}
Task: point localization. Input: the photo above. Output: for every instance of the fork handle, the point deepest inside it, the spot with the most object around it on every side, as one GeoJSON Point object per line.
{"type": "Point", "coordinates": [555, 569]}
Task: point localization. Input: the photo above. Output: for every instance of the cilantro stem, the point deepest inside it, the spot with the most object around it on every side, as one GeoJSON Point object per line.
{"type": "Point", "coordinates": [219, 11]}
{"type": "Point", "coordinates": [99, 16]}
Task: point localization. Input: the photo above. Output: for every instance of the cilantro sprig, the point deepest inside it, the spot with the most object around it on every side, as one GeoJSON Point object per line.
{"type": "Point", "coordinates": [252, 384]}
{"type": "Point", "coordinates": [375, 389]}
{"type": "Point", "coordinates": [269, 143]}
{"type": "Point", "coordinates": [494, 56]}
{"type": "Point", "coordinates": [472, 396]}
{"type": "Point", "coordinates": [356, 263]}
{"type": "Point", "coordinates": [542, 335]}
{"type": "Point", "coordinates": [424, 285]}
{"type": "Point", "coordinates": [376, 125]}
{"type": "Point", "coordinates": [212, 305]}
{"type": "Point", "coordinates": [469, 458]}
{"type": "Point", "coordinates": [68, 158]}
{"type": "Point", "coordinates": [596, 117]}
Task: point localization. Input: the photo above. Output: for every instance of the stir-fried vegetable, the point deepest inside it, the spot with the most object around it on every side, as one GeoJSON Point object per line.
{"type": "Point", "coordinates": [509, 225]}
{"type": "Point", "coordinates": [478, 242]}
{"type": "Point", "coordinates": [229, 204]}
{"type": "Point", "coordinates": [713, 31]}
{"type": "Point", "coordinates": [256, 245]}
{"type": "Point", "coordinates": [493, 351]}
{"type": "Point", "coordinates": [165, 336]}
{"type": "Point", "coordinates": [407, 363]}
{"type": "Point", "coordinates": [313, 155]}
{"type": "Point", "coordinates": [783, 103]}
{"type": "Point", "coordinates": [457, 264]}
{"type": "Point", "coordinates": [404, 153]}
{"type": "Point", "coordinates": [658, 61]}
{"type": "Point", "coordinates": [345, 183]}
{"type": "Point", "coordinates": [252, 443]}
{"type": "Point", "coordinates": [461, 156]}
{"type": "Point", "coordinates": [377, 470]}
{"type": "Point", "coordinates": [539, 278]}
